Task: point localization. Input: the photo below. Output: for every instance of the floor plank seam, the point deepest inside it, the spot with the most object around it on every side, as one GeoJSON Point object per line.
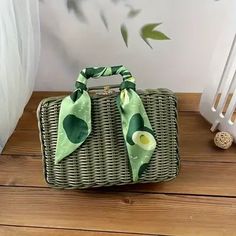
{"type": "Point", "coordinates": [85, 230]}
{"type": "Point", "coordinates": [99, 191]}
{"type": "Point", "coordinates": [207, 161]}
{"type": "Point", "coordinates": [39, 157]}
{"type": "Point", "coordinates": [20, 155]}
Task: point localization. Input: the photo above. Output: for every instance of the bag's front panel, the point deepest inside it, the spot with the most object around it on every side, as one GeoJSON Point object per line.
{"type": "Point", "coordinates": [102, 160]}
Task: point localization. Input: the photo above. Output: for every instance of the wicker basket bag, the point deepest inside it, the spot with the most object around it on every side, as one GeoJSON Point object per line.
{"type": "Point", "coordinates": [102, 160]}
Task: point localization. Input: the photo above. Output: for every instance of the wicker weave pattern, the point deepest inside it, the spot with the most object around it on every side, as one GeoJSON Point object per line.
{"type": "Point", "coordinates": [102, 160]}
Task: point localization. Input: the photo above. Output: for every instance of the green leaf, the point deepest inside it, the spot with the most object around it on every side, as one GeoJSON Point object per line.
{"type": "Point", "coordinates": [104, 20]}
{"type": "Point", "coordinates": [148, 32]}
{"type": "Point", "coordinates": [133, 12]}
{"type": "Point", "coordinates": [124, 33]}
{"type": "Point", "coordinates": [75, 6]}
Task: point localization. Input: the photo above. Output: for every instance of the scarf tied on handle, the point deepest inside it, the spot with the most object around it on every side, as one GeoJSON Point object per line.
{"type": "Point", "coordinates": [74, 124]}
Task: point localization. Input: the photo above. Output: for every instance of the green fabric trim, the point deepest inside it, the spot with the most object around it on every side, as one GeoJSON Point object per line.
{"type": "Point", "coordinates": [76, 95]}
{"type": "Point", "coordinates": [75, 119]}
{"type": "Point", "coordinates": [81, 109]}
{"type": "Point", "coordinates": [140, 142]}
{"type": "Point", "coordinates": [80, 85]}
{"type": "Point", "coordinates": [127, 85]}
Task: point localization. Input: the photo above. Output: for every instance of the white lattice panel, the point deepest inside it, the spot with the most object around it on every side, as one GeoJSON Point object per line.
{"type": "Point", "coordinates": [213, 104]}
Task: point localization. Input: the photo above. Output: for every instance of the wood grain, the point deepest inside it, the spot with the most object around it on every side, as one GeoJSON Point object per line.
{"type": "Point", "coordinates": [202, 178]}
{"type": "Point", "coordinates": [28, 121]}
{"type": "Point", "coordinates": [21, 171]}
{"type": "Point", "coordinates": [35, 231]}
{"type": "Point", "coordinates": [23, 142]}
{"type": "Point", "coordinates": [193, 147]}
{"type": "Point", "coordinates": [200, 201]}
{"type": "Point", "coordinates": [188, 122]}
{"type": "Point", "coordinates": [119, 212]}
{"type": "Point", "coordinates": [186, 101]}
{"type": "Point", "coordinates": [196, 140]}
{"type": "Point", "coordinates": [37, 97]}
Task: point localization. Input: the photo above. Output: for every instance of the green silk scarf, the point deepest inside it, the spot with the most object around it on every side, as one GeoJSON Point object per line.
{"type": "Point", "coordinates": [75, 119]}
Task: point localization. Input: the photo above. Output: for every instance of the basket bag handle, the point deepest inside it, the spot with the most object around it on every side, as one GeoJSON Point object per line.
{"type": "Point", "coordinates": [74, 124]}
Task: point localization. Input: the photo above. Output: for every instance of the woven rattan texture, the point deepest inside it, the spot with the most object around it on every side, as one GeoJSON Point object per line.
{"type": "Point", "coordinates": [102, 160]}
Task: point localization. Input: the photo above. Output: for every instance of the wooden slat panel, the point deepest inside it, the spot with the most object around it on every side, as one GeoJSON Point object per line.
{"type": "Point", "coordinates": [188, 122]}
{"type": "Point", "coordinates": [202, 178]}
{"type": "Point", "coordinates": [198, 147]}
{"type": "Point", "coordinates": [33, 231]}
{"type": "Point", "coordinates": [119, 212]}
{"type": "Point", "coordinates": [21, 171]}
{"type": "Point", "coordinates": [23, 142]}
{"type": "Point", "coordinates": [28, 121]}
{"type": "Point", "coordinates": [192, 122]}
{"type": "Point", "coordinates": [204, 171]}
{"type": "Point", "coordinates": [194, 146]}
{"type": "Point", "coordinates": [196, 140]}
{"type": "Point", "coordinates": [190, 101]}
{"type": "Point", "coordinates": [37, 97]}
{"type": "Point", "coordinates": [187, 101]}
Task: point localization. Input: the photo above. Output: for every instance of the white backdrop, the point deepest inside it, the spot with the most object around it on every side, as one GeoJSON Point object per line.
{"type": "Point", "coordinates": [200, 30]}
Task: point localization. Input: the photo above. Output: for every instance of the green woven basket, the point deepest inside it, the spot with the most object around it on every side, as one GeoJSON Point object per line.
{"type": "Point", "coordinates": [102, 160]}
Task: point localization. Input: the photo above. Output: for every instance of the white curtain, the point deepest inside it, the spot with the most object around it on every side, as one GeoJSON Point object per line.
{"type": "Point", "coordinates": [19, 57]}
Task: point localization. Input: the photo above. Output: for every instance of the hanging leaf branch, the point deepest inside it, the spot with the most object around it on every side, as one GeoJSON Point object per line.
{"type": "Point", "coordinates": [132, 12]}
{"type": "Point", "coordinates": [75, 6]}
{"type": "Point", "coordinates": [147, 31]}
{"type": "Point", "coordinates": [104, 20]}
{"type": "Point", "coordinates": [124, 33]}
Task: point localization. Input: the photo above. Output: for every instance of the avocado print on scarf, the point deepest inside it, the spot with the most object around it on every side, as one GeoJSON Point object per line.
{"type": "Point", "coordinates": [74, 124]}
{"type": "Point", "coordinates": [139, 134]}
{"type": "Point", "coordinates": [76, 129]}
{"type": "Point", "coordinates": [141, 138]}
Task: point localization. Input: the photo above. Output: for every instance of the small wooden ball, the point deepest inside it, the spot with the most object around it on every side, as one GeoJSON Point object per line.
{"type": "Point", "coordinates": [223, 140]}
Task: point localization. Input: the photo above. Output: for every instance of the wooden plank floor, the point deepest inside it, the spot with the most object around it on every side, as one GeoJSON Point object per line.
{"type": "Point", "coordinates": [200, 201]}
